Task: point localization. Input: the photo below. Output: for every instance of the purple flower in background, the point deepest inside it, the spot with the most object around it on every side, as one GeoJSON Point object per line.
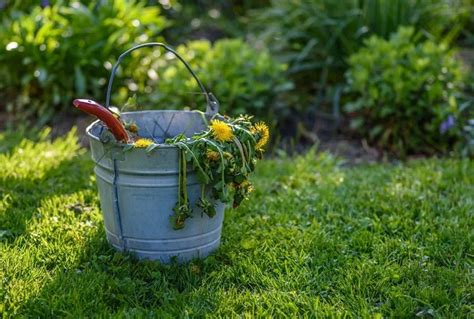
{"type": "Point", "coordinates": [44, 3]}
{"type": "Point", "coordinates": [447, 124]}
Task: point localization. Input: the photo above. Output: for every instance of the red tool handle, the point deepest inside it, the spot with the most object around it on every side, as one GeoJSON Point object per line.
{"type": "Point", "coordinates": [105, 115]}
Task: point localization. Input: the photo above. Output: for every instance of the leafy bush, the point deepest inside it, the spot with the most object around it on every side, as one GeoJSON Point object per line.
{"type": "Point", "coordinates": [406, 93]}
{"type": "Point", "coordinates": [466, 38]}
{"type": "Point", "coordinates": [243, 79]}
{"type": "Point", "coordinates": [193, 19]}
{"type": "Point", "coordinates": [315, 37]}
{"type": "Point", "coordinates": [59, 52]}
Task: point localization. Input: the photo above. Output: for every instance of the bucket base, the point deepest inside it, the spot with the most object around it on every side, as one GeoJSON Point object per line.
{"type": "Point", "coordinates": [166, 255]}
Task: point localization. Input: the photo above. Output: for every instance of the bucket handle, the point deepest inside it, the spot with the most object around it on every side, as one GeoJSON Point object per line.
{"type": "Point", "coordinates": [212, 103]}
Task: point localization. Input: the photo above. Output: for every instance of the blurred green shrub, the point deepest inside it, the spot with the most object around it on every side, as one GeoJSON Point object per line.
{"type": "Point", "coordinates": [467, 35]}
{"type": "Point", "coordinates": [315, 37]}
{"type": "Point", "coordinates": [209, 19]}
{"type": "Point", "coordinates": [406, 93]}
{"type": "Point", "coordinates": [243, 79]}
{"type": "Point", "coordinates": [51, 55]}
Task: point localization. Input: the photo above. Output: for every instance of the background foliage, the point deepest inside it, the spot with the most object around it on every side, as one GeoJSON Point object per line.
{"type": "Point", "coordinates": [211, 19]}
{"type": "Point", "coordinates": [315, 38]}
{"type": "Point", "coordinates": [405, 92]}
{"type": "Point", "coordinates": [59, 52]}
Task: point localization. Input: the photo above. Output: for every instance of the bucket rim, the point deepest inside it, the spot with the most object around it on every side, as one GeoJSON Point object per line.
{"type": "Point", "coordinates": [161, 145]}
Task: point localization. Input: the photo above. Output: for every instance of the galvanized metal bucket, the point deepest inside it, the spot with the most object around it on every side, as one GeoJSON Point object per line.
{"type": "Point", "coordinates": [138, 190]}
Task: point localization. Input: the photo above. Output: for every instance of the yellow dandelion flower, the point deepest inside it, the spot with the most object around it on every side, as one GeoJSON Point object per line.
{"type": "Point", "coordinates": [142, 143]}
{"type": "Point", "coordinates": [262, 129]}
{"type": "Point", "coordinates": [212, 155]}
{"type": "Point", "coordinates": [221, 131]}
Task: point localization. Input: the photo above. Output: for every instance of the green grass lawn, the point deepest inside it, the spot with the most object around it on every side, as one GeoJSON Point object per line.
{"type": "Point", "coordinates": [316, 239]}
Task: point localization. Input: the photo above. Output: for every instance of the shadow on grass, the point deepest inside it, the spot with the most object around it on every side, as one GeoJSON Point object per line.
{"type": "Point", "coordinates": [23, 195]}
{"type": "Point", "coordinates": [103, 282]}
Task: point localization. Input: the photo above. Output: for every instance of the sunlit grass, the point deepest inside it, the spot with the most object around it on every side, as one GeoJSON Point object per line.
{"type": "Point", "coordinates": [317, 238]}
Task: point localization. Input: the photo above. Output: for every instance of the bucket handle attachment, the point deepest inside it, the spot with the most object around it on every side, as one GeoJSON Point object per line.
{"type": "Point", "coordinates": [212, 103]}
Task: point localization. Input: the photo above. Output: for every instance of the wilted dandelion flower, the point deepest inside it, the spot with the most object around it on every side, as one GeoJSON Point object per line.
{"type": "Point", "coordinates": [132, 127]}
{"type": "Point", "coordinates": [221, 131]}
{"type": "Point", "coordinates": [262, 129]}
{"type": "Point", "coordinates": [245, 183]}
{"type": "Point", "coordinates": [142, 143]}
{"type": "Point", "coordinates": [212, 155]}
